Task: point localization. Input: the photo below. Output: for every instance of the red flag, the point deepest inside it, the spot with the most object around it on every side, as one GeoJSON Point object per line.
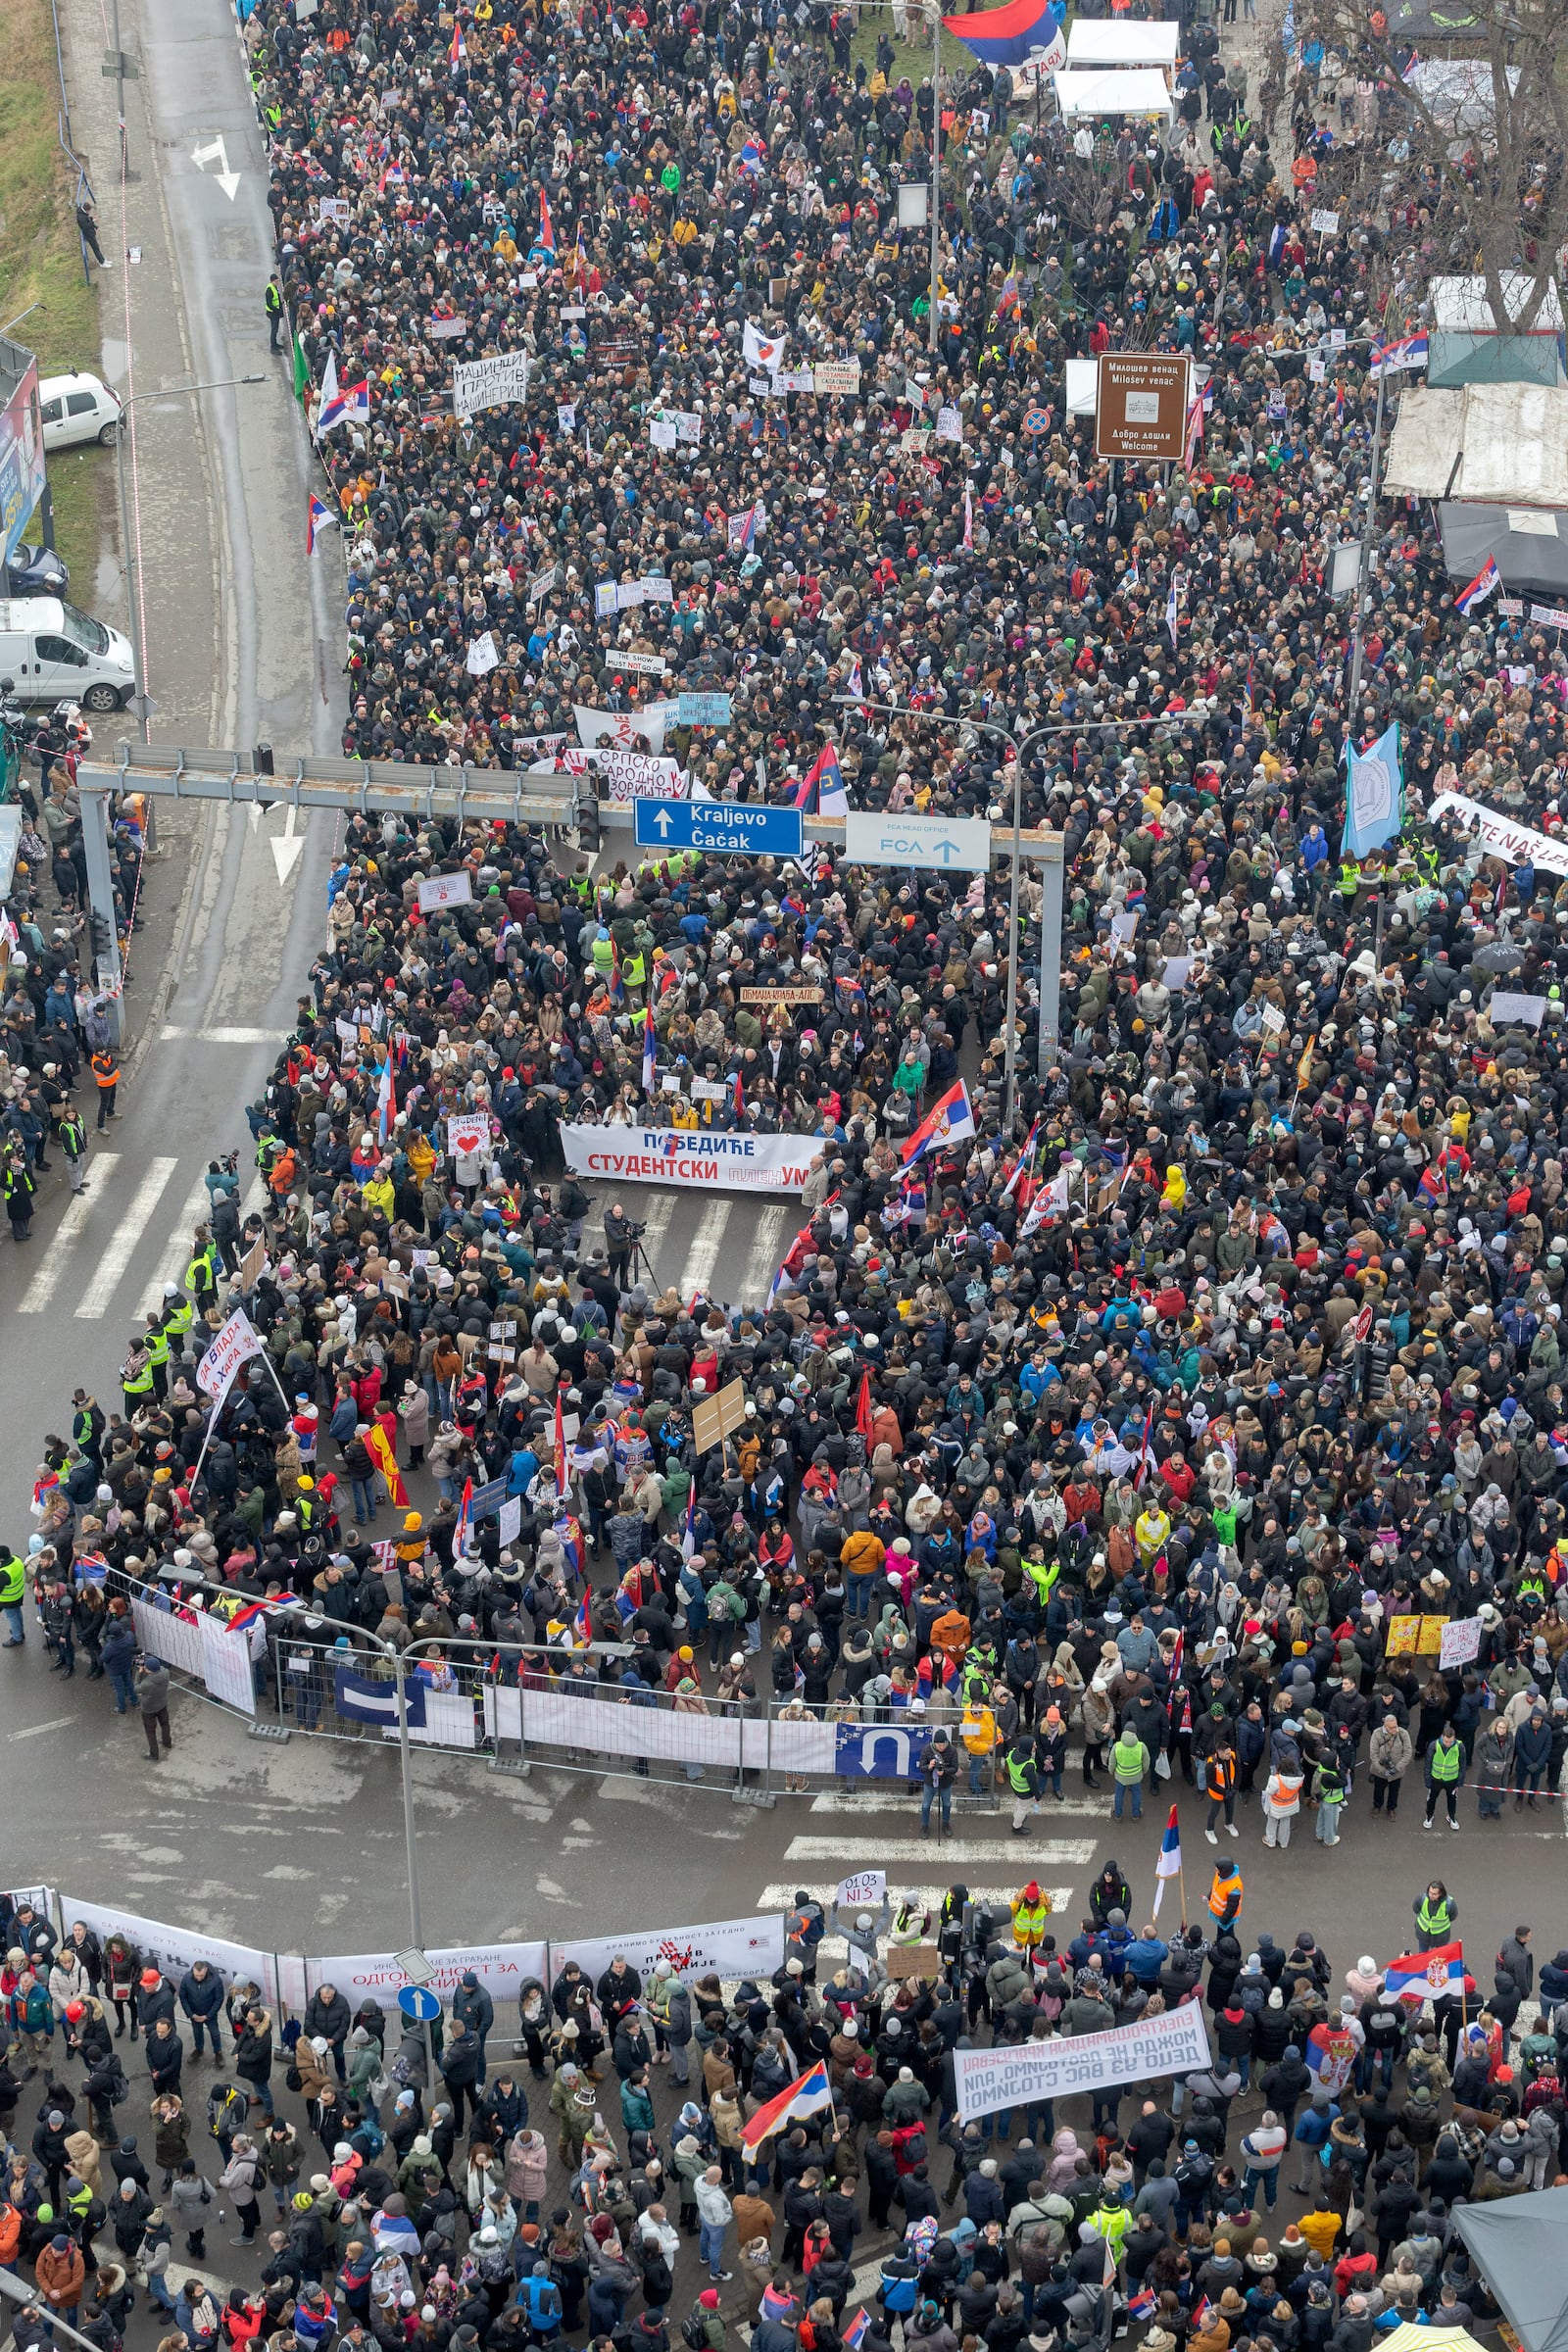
{"type": "Point", "coordinates": [862, 1409]}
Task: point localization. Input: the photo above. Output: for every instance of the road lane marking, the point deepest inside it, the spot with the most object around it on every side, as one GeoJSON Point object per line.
{"type": "Point", "coordinates": [46, 1281]}
{"type": "Point", "coordinates": [136, 1218]}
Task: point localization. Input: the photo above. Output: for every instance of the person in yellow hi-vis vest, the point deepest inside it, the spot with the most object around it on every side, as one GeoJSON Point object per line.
{"type": "Point", "coordinates": [1030, 1911]}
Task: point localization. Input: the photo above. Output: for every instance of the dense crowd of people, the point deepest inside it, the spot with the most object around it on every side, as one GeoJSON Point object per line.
{"type": "Point", "coordinates": [589, 2196]}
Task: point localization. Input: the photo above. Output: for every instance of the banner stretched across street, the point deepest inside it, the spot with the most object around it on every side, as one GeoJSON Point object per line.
{"type": "Point", "coordinates": [702, 1159]}
{"type": "Point", "coordinates": [1013, 2075]}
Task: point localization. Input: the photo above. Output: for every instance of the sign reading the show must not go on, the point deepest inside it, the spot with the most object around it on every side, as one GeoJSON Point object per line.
{"type": "Point", "coordinates": [1142, 410]}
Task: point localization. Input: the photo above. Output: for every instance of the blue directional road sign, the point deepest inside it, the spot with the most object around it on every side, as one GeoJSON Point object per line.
{"type": "Point", "coordinates": [722, 828]}
{"type": "Point", "coordinates": [415, 2002]}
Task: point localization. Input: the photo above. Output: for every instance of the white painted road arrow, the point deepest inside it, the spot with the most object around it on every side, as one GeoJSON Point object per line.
{"type": "Point", "coordinates": [226, 179]}
{"type": "Point", "coordinates": [287, 847]}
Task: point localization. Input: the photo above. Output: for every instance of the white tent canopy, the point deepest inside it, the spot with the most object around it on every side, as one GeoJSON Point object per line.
{"type": "Point", "coordinates": [1092, 94]}
{"type": "Point", "coordinates": [1114, 41]}
{"type": "Point", "coordinates": [1501, 445]}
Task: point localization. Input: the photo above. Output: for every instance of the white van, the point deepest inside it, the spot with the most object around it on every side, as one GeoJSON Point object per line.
{"type": "Point", "coordinates": [53, 654]}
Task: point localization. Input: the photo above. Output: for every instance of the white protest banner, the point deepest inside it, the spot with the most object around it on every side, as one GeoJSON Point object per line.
{"type": "Point", "coordinates": [508, 1520]}
{"type": "Point", "coordinates": [915, 439]}
{"type": "Point", "coordinates": [1550, 616]}
{"type": "Point", "coordinates": [235, 1344]}
{"type": "Point", "coordinates": [445, 890]}
{"type": "Point", "coordinates": [483, 655]}
{"type": "Point", "coordinates": [171, 1634]}
{"type": "Point", "coordinates": [725, 1947]}
{"type": "Point", "coordinates": [493, 382]}
{"type": "Point", "coordinates": [226, 1664]}
{"type": "Point", "coordinates": [688, 427]}
{"type": "Point", "coordinates": [1273, 1021]}
{"type": "Point", "coordinates": [335, 211]}
{"type": "Point", "coordinates": [1505, 1004]}
{"type": "Point", "coordinates": [651, 666]}
{"type": "Point", "coordinates": [1018, 2073]}
{"type": "Point", "coordinates": [1317, 372]}
{"type": "Point", "coordinates": [543, 581]}
{"type": "Point", "coordinates": [174, 1949]}
{"type": "Point", "coordinates": [1178, 970]}
{"type": "Point", "coordinates": [864, 1886]}
{"type": "Point", "coordinates": [836, 375]}
{"type": "Point", "coordinates": [565, 415]}
{"type": "Point", "coordinates": [1459, 1643]}
{"type": "Point", "coordinates": [441, 329]}
{"type": "Point", "coordinates": [641, 777]}
{"type": "Point", "coordinates": [1500, 837]}
{"type": "Point", "coordinates": [699, 1161]}
{"type": "Point", "coordinates": [1124, 924]}
{"type": "Point", "coordinates": [662, 431]}
{"type": "Point", "coordinates": [794, 379]}
{"type": "Point", "coordinates": [468, 1134]}
{"type": "Point", "coordinates": [1326, 223]}
{"type": "Point", "coordinates": [622, 730]}
{"type": "Point", "coordinates": [656, 590]}
{"type": "Point", "coordinates": [501, 1968]}
{"type": "Point", "coordinates": [604, 600]}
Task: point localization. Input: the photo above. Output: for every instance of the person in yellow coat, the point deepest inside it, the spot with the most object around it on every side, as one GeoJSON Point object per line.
{"type": "Point", "coordinates": [977, 1728]}
{"type": "Point", "coordinates": [1030, 1911]}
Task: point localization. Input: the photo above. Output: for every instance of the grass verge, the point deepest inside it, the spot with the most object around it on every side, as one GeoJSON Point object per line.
{"type": "Point", "coordinates": [40, 263]}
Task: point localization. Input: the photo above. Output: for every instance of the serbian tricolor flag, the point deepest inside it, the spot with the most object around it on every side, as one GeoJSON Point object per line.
{"type": "Point", "coordinates": [583, 1623]}
{"type": "Point", "coordinates": [386, 1101]}
{"type": "Point", "coordinates": [1486, 579]}
{"type": "Point", "coordinates": [459, 47]}
{"type": "Point", "coordinates": [1201, 2310]}
{"type": "Point", "coordinates": [460, 1533]}
{"type": "Point", "coordinates": [824, 786]}
{"type": "Point", "coordinates": [1168, 1861]}
{"type": "Point", "coordinates": [547, 232]}
{"type": "Point", "coordinates": [1008, 35]}
{"type": "Point", "coordinates": [688, 1532]}
{"type": "Point", "coordinates": [571, 1545]}
{"type": "Point", "coordinates": [650, 1050]}
{"type": "Point", "coordinates": [349, 406]}
{"type": "Point", "coordinates": [1017, 1178]}
{"type": "Point", "coordinates": [855, 2329]}
{"type": "Point", "coordinates": [795, 1254]}
{"type": "Point", "coordinates": [1426, 1976]}
{"type": "Point", "coordinates": [1138, 2306]}
{"type": "Point", "coordinates": [808, 2095]}
{"type": "Point", "coordinates": [318, 516]}
{"type": "Point", "coordinates": [950, 1120]}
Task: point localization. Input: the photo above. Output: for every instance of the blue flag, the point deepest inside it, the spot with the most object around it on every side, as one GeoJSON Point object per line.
{"type": "Point", "coordinates": [363, 1700]}
{"type": "Point", "coordinates": [1374, 796]}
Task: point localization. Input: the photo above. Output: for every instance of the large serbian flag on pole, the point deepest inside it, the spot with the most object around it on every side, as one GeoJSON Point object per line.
{"type": "Point", "coordinates": [1009, 35]}
{"type": "Point", "coordinates": [950, 1120]}
{"type": "Point", "coordinates": [802, 2097]}
{"type": "Point", "coordinates": [1426, 1976]}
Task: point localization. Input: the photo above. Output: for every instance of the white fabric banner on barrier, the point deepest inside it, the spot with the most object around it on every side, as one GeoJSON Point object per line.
{"type": "Point", "coordinates": [174, 1949]}
{"type": "Point", "coordinates": [697, 1159]}
{"type": "Point", "coordinates": [448, 1721]}
{"type": "Point", "coordinates": [226, 1664]}
{"type": "Point", "coordinates": [168, 1635]}
{"type": "Point", "coordinates": [607, 1727]}
{"type": "Point", "coordinates": [501, 1968]}
{"type": "Point", "coordinates": [1174, 2044]}
{"type": "Point", "coordinates": [724, 1947]}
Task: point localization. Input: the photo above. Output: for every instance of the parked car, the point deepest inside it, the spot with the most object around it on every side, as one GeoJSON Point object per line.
{"type": "Point", "coordinates": [36, 571]}
{"type": "Point", "coordinates": [50, 653]}
{"type": "Point", "coordinates": [77, 408]}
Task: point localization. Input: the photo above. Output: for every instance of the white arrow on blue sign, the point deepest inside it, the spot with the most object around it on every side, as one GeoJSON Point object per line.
{"type": "Point", "coordinates": [720, 828]}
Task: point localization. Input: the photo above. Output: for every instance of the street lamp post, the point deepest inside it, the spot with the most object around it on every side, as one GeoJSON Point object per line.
{"type": "Point", "coordinates": [1050, 919]}
{"type": "Point", "coordinates": [936, 164]}
{"type": "Point", "coordinates": [132, 572]}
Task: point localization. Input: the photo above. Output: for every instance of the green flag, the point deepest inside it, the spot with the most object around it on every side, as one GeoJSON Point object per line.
{"type": "Point", "coordinates": [302, 374]}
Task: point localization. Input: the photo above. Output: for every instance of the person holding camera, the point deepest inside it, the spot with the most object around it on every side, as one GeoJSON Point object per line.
{"type": "Point", "coordinates": [622, 1236]}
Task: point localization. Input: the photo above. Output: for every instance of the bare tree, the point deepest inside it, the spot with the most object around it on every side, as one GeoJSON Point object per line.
{"type": "Point", "coordinates": [1488, 126]}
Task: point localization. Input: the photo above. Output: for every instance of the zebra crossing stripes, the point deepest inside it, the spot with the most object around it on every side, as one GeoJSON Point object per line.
{"type": "Point", "coordinates": [74, 1223]}
{"type": "Point", "coordinates": [873, 1853]}
{"type": "Point", "coordinates": [857, 1801]}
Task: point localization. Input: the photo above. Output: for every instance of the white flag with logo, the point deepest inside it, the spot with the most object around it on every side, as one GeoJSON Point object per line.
{"type": "Point", "coordinates": [234, 1346]}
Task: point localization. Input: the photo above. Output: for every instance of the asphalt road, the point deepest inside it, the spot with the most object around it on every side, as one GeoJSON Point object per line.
{"type": "Point", "coordinates": [301, 1848]}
